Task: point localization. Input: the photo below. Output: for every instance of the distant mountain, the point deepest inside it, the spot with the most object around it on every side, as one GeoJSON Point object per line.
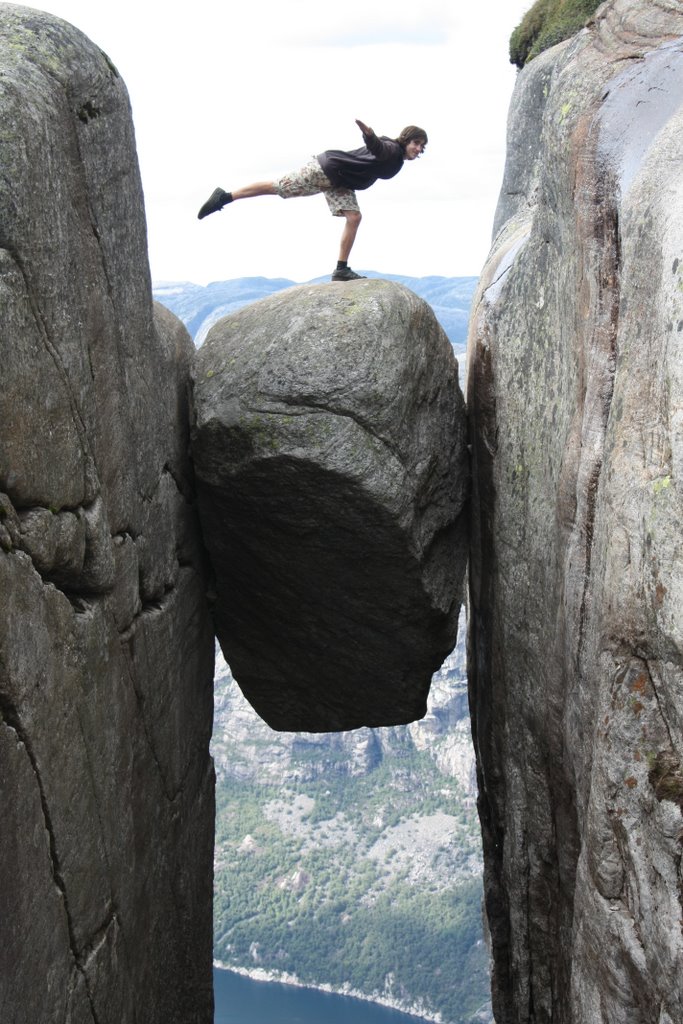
{"type": "Point", "coordinates": [200, 306]}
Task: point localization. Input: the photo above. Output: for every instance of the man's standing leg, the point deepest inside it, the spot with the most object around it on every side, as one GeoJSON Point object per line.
{"type": "Point", "coordinates": [343, 271]}
{"type": "Point", "coordinates": [353, 219]}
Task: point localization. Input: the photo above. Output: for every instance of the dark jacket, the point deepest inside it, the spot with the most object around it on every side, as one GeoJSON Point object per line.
{"type": "Point", "coordinates": [380, 157]}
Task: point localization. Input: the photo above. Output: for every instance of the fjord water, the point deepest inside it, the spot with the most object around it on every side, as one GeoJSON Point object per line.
{"type": "Point", "coordinates": [240, 1000]}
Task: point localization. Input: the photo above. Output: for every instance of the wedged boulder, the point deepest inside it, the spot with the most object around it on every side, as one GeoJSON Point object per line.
{"type": "Point", "coordinates": [106, 645]}
{"type": "Point", "coordinates": [329, 444]}
{"type": "Point", "coordinates": [575, 388]}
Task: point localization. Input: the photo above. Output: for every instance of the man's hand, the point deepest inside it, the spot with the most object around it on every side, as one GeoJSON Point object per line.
{"type": "Point", "coordinates": [364, 128]}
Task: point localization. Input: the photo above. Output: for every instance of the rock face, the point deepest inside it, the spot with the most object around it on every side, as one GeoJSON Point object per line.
{"type": "Point", "coordinates": [329, 445]}
{"type": "Point", "coordinates": [575, 386]}
{"type": "Point", "coordinates": [106, 650]}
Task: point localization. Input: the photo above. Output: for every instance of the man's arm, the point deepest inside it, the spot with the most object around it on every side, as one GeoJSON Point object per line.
{"type": "Point", "coordinates": [379, 149]}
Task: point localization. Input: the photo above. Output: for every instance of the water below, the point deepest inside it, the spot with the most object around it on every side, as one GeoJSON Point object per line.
{"type": "Point", "coordinates": [239, 1000]}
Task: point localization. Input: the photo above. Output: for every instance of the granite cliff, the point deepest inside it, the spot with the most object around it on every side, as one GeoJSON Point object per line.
{"type": "Point", "coordinates": [575, 391]}
{"type": "Point", "coordinates": [106, 645]}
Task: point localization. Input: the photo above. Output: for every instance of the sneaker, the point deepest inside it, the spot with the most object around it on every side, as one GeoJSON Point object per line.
{"type": "Point", "coordinates": [216, 201]}
{"type": "Point", "coordinates": [346, 274]}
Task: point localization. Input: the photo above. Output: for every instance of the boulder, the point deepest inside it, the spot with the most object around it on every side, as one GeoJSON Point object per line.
{"type": "Point", "coordinates": [329, 444]}
{"type": "Point", "coordinates": [106, 645]}
{"type": "Point", "coordinates": [575, 390]}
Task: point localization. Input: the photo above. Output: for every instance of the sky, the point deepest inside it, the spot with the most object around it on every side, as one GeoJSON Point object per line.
{"type": "Point", "coordinates": [231, 94]}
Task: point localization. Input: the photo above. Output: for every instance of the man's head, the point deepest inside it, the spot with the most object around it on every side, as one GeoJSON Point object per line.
{"type": "Point", "coordinates": [413, 140]}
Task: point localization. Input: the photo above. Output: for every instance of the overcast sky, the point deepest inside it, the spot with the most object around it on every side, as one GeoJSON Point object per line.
{"type": "Point", "coordinates": [229, 94]}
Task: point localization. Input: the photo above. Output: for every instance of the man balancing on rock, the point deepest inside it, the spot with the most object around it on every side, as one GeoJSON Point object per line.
{"type": "Point", "coordinates": [338, 175]}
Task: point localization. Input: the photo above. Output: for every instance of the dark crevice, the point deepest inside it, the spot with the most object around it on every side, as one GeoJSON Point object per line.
{"type": "Point", "coordinates": [126, 533]}
{"type": "Point", "coordinates": [88, 112]}
{"type": "Point", "coordinates": [90, 472]}
{"type": "Point", "coordinates": [99, 938]}
{"type": "Point", "coordinates": [97, 803]}
{"type": "Point", "coordinates": [607, 232]}
{"type": "Point", "coordinates": [80, 604]}
{"type": "Point", "coordinates": [80, 600]}
{"type": "Point", "coordinates": [650, 676]}
{"type": "Point", "coordinates": [154, 605]}
{"type": "Point", "coordinates": [591, 495]}
{"type": "Point", "coordinates": [75, 509]}
{"type": "Point", "coordinates": [180, 485]}
{"type": "Point", "coordinates": [11, 717]}
{"type": "Point", "coordinates": [140, 699]}
{"type": "Point", "coordinates": [110, 291]}
{"type": "Point", "coordinates": [149, 606]}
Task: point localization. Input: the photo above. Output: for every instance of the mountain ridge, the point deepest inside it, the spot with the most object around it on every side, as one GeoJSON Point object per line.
{"type": "Point", "coordinates": [201, 306]}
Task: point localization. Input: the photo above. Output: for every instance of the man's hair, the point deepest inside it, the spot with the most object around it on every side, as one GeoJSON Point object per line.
{"type": "Point", "coordinates": [412, 133]}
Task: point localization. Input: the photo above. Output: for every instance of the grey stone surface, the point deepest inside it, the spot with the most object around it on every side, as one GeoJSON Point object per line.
{"type": "Point", "coordinates": [329, 445]}
{"type": "Point", "coordinates": [575, 387]}
{"type": "Point", "coordinates": [106, 647]}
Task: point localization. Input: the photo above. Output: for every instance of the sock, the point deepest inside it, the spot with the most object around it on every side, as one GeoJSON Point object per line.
{"type": "Point", "coordinates": [342, 264]}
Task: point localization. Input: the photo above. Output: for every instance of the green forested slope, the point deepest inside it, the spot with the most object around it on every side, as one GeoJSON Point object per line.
{"type": "Point", "coordinates": [353, 861]}
{"type": "Point", "coordinates": [339, 912]}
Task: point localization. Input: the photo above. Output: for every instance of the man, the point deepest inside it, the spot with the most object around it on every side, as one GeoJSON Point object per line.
{"type": "Point", "coordinates": [338, 175]}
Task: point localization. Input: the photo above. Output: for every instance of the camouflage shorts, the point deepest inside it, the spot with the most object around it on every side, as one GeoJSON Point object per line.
{"type": "Point", "coordinates": [310, 180]}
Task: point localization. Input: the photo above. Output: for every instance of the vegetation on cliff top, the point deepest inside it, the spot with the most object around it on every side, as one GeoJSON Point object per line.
{"type": "Point", "coordinates": [546, 23]}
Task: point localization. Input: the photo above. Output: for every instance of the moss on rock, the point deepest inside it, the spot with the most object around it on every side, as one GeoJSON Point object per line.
{"type": "Point", "coordinates": [546, 23]}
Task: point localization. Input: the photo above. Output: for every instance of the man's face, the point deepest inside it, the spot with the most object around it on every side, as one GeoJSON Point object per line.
{"type": "Point", "coordinates": [414, 149]}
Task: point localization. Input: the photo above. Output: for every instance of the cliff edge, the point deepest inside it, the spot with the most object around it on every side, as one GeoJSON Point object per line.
{"type": "Point", "coordinates": [106, 647]}
{"type": "Point", "coordinates": [575, 388]}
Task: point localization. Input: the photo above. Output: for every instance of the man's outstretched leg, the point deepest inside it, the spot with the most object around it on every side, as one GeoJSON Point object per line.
{"type": "Point", "coordinates": [343, 271]}
{"type": "Point", "coordinates": [220, 198]}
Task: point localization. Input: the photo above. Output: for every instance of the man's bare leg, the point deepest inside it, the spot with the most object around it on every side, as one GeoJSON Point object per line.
{"type": "Point", "coordinates": [343, 271]}
{"type": "Point", "coordinates": [259, 188]}
{"type": "Point", "coordinates": [220, 198]}
{"type": "Point", "coordinates": [353, 219]}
